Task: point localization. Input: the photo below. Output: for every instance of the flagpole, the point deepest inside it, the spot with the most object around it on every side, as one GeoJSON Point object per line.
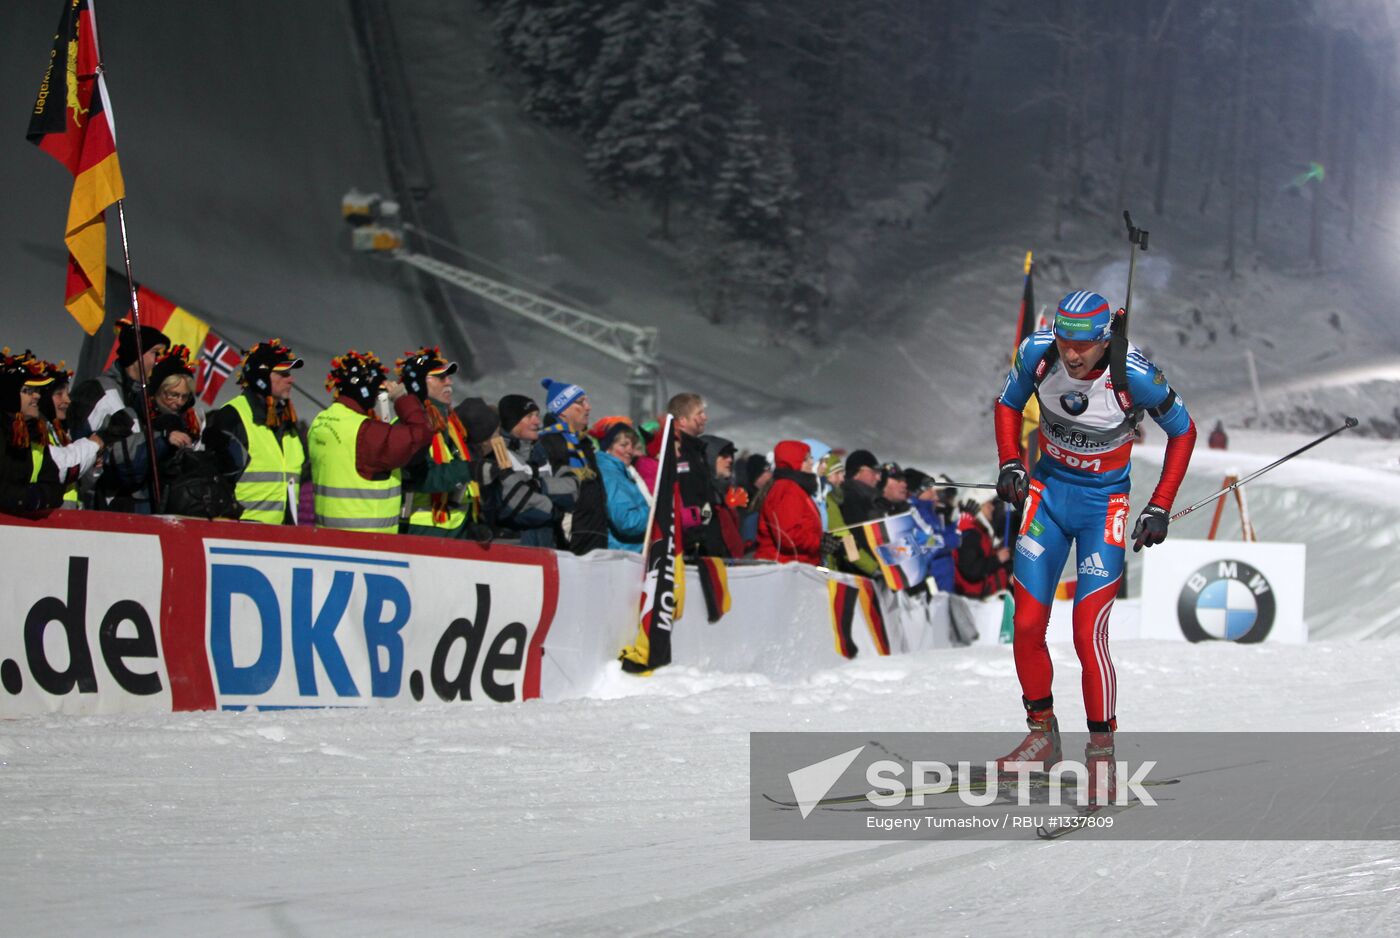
{"type": "Point", "coordinates": [98, 80]}
{"type": "Point", "coordinates": [140, 360]}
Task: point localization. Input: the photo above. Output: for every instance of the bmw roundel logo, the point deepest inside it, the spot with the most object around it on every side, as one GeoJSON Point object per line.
{"type": "Point", "coordinates": [1074, 402]}
{"type": "Point", "coordinates": [1228, 601]}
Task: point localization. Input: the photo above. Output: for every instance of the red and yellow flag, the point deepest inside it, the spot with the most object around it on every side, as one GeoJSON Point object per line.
{"type": "Point", "coordinates": [180, 326]}
{"type": "Point", "coordinates": [843, 615]}
{"type": "Point", "coordinates": [72, 122]}
{"type": "Point", "coordinates": [714, 586]}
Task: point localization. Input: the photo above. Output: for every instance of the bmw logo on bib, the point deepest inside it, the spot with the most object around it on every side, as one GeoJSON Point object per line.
{"type": "Point", "coordinates": [1226, 600]}
{"type": "Point", "coordinates": [1074, 402]}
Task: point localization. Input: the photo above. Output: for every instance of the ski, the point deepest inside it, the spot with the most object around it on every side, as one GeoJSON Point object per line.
{"type": "Point", "coordinates": [1082, 820]}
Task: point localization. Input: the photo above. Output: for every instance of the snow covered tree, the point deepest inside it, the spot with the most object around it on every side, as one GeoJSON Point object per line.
{"type": "Point", "coordinates": [655, 139]}
{"type": "Point", "coordinates": [553, 43]}
{"type": "Point", "coordinates": [756, 237]}
{"type": "Point", "coordinates": [610, 79]}
{"type": "Point", "coordinates": [755, 191]}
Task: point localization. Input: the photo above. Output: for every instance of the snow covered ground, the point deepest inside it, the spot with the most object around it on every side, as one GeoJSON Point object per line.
{"type": "Point", "coordinates": [630, 815]}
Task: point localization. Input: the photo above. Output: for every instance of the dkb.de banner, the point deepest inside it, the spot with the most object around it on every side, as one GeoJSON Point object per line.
{"type": "Point", "coordinates": [113, 613]}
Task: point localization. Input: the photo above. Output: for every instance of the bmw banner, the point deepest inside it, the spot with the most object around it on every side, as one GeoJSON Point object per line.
{"type": "Point", "coordinates": [1229, 591]}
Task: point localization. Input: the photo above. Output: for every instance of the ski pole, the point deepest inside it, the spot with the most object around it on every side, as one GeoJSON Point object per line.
{"type": "Point", "coordinates": [1346, 425]}
{"type": "Point", "coordinates": [852, 527]}
{"type": "Point", "coordinates": [967, 485]}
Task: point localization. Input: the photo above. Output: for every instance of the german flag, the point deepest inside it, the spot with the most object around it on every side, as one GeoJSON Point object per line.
{"type": "Point", "coordinates": [874, 616]}
{"type": "Point", "coordinates": [218, 358]}
{"type": "Point", "coordinates": [180, 325]}
{"type": "Point", "coordinates": [714, 584]}
{"type": "Point", "coordinates": [72, 123]}
{"type": "Point", "coordinates": [1026, 324]}
{"type": "Point", "coordinates": [843, 614]}
{"type": "Point", "coordinates": [663, 576]}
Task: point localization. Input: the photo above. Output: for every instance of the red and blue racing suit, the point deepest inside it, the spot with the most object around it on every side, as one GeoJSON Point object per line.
{"type": "Point", "coordinates": [1079, 492]}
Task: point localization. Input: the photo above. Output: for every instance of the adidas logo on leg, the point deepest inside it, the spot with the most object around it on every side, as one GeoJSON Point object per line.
{"type": "Point", "coordinates": [1093, 566]}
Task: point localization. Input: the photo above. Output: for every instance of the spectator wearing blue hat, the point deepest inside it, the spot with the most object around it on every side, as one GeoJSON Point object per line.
{"type": "Point", "coordinates": [566, 446]}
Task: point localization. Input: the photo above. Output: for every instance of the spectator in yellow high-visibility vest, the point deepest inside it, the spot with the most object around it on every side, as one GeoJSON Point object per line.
{"type": "Point", "coordinates": [357, 459]}
{"type": "Point", "coordinates": [29, 478]}
{"type": "Point", "coordinates": [255, 438]}
{"type": "Point", "coordinates": [440, 497]}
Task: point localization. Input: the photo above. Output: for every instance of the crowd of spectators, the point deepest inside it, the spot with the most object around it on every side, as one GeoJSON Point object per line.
{"type": "Point", "coordinates": [398, 454]}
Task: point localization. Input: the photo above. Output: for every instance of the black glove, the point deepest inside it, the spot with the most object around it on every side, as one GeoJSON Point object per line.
{"type": "Point", "coordinates": [831, 544]}
{"type": "Point", "coordinates": [33, 499]}
{"type": "Point", "coordinates": [414, 376]}
{"type": "Point", "coordinates": [1012, 482]}
{"type": "Point", "coordinates": [1151, 527]}
{"type": "Point", "coordinates": [119, 427]}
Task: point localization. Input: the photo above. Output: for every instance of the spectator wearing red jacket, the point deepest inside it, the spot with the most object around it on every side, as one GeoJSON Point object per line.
{"type": "Point", "coordinates": [789, 526]}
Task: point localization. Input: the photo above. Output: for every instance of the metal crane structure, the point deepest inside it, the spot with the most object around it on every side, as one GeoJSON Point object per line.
{"type": "Point", "coordinates": [378, 228]}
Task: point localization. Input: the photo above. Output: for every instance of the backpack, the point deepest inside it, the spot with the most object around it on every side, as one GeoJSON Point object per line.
{"type": "Point", "coordinates": [192, 486]}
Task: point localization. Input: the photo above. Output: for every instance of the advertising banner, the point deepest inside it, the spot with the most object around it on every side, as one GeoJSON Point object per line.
{"type": "Point", "coordinates": [312, 626]}
{"type": "Point", "coordinates": [114, 613]}
{"type": "Point", "coordinates": [1231, 591]}
{"type": "Point", "coordinates": [81, 628]}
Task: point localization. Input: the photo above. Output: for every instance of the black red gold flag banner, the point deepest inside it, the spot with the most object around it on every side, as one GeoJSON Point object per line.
{"type": "Point", "coordinates": [843, 614]}
{"type": "Point", "coordinates": [218, 358]}
{"type": "Point", "coordinates": [660, 569]}
{"type": "Point", "coordinates": [1026, 323]}
{"type": "Point", "coordinates": [1030, 417]}
{"type": "Point", "coordinates": [874, 616]}
{"type": "Point", "coordinates": [714, 584]}
{"type": "Point", "coordinates": [72, 121]}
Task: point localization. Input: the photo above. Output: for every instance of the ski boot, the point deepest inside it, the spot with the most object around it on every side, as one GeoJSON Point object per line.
{"type": "Point", "coordinates": [1042, 742]}
{"type": "Point", "coordinates": [1103, 770]}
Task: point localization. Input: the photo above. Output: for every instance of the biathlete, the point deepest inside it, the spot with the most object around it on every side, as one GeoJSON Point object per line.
{"type": "Point", "coordinates": [1093, 387]}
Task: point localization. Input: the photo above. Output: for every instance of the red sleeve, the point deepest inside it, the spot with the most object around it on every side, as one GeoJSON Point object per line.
{"type": "Point", "coordinates": [1174, 463]}
{"type": "Point", "coordinates": [1008, 423]}
{"type": "Point", "coordinates": [381, 447]}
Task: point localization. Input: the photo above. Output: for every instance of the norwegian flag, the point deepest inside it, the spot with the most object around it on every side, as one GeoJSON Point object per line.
{"type": "Point", "coordinates": [217, 360]}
